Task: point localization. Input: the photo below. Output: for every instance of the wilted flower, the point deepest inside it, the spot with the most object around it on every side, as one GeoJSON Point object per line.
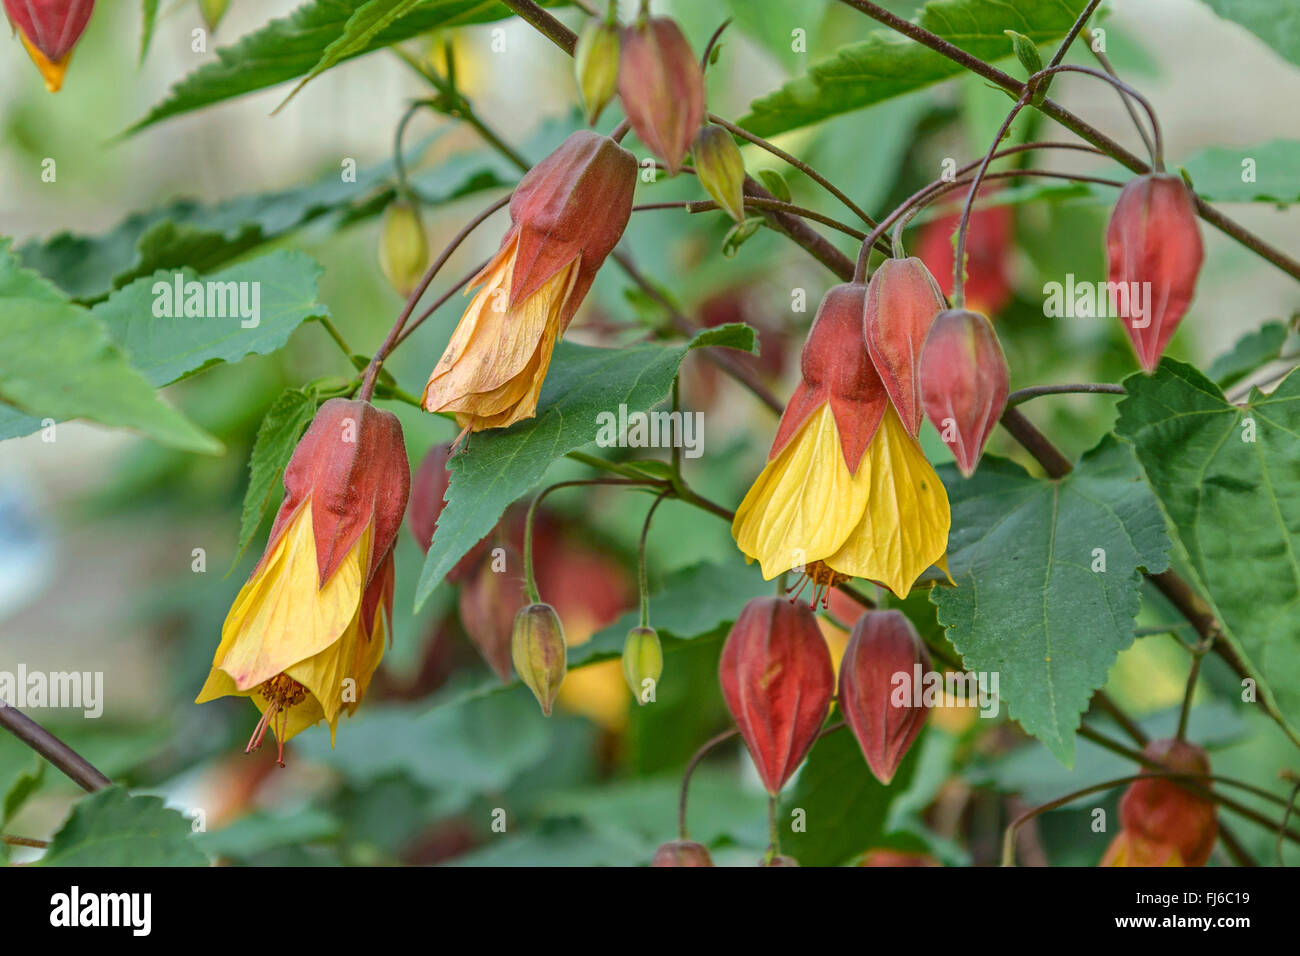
{"type": "Point", "coordinates": [49, 30]}
{"type": "Point", "coordinates": [306, 632]}
{"type": "Point", "coordinates": [846, 492]}
{"type": "Point", "coordinates": [568, 213]}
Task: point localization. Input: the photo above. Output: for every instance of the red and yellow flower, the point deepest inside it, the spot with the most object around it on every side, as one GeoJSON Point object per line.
{"type": "Point", "coordinates": [49, 29]}
{"type": "Point", "coordinates": [306, 633]}
{"type": "Point", "coordinates": [847, 491]}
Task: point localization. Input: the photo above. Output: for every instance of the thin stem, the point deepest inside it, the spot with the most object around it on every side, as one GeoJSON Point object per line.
{"type": "Point", "coordinates": [695, 206]}
{"type": "Point", "coordinates": [1193, 672]}
{"type": "Point", "coordinates": [690, 770]}
{"type": "Point", "coordinates": [1125, 91]}
{"type": "Point", "coordinates": [530, 580]}
{"type": "Point", "coordinates": [76, 767]}
{"type": "Point", "coordinates": [1034, 391]}
{"type": "Point", "coordinates": [1128, 104]}
{"type": "Point", "coordinates": [399, 163]}
{"type": "Point", "coordinates": [545, 24]}
{"type": "Point", "coordinates": [439, 302]}
{"type": "Point", "coordinates": [642, 578]}
{"type": "Point", "coordinates": [773, 831]}
{"type": "Point", "coordinates": [797, 163]}
{"type": "Point", "coordinates": [1281, 829]}
{"type": "Point", "coordinates": [24, 841]}
{"type": "Point", "coordinates": [959, 259]}
{"type": "Point", "coordinates": [1079, 24]}
{"type": "Point", "coordinates": [335, 335]}
{"type": "Point", "coordinates": [377, 360]}
{"type": "Point", "coordinates": [713, 40]}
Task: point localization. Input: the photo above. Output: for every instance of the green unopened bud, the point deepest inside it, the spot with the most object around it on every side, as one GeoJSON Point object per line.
{"type": "Point", "coordinates": [213, 11]}
{"type": "Point", "coordinates": [537, 648]}
{"type": "Point", "coordinates": [595, 64]}
{"type": "Point", "coordinates": [720, 169]}
{"type": "Point", "coordinates": [403, 247]}
{"type": "Point", "coordinates": [643, 662]}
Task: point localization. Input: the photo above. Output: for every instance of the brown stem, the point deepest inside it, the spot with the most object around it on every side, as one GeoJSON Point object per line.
{"type": "Point", "coordinates": [1035, 442]}
{"type": "Point", "coordinates": [1034, 391]}
{"type": "Point", "coordinates": [690, 769]}
{"type": "Point", "coordinates": [74, 766]}
{"type": "Point", "coordinates": [545, 24]}
{"type": "Point", "coordinates": [24, 841]}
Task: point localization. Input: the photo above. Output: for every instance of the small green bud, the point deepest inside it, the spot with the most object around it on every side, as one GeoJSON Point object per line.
{"type": "Point", "coordinates": [537, 649]}
{"type": "Point", "coordinates": [403, 247]}
{"type": "Point", "coordinates": [721, 169]}
{"type": "Point", "coordinates": [595, 64]}
{"type": "Point", "coordinates": [643, 663]}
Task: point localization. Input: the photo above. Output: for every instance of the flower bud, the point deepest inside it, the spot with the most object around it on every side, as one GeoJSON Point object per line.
{"type": "Point", "coordinates": [537, 648]}
{"type": "Point", "coordinates": [882, 714]}
{"type": "Point", "coordinates": [489, 601]}
{"type": "Point", "coordinates": [428, 494]}
{"type": "Point", "coordinates": [595, 64]}
{"type": "Point", "coordinates": [1162, 811]}
{"type": "Point", "coordinates": [682, 853]}
{"type": "Point", "coordinates": [49, 29]}
{"type": "Point", "coordinates": [1130, 849]}
{"type": "Point", "coordinates": [777, 680]}
{"type": "Point", "coordinates": [643, 663]}
{"type": "Point", "coordinates": [1153, 244]}
{"type": "Point", "coordinates": [403, 247]}
{"type": "Point", "coordinates": [887, 857]}
{"type": "Point", "coordinates": [662, 87]}
{"type": "Point", "coordinates": [720, 169]}
{"type": "Point", "coordinates": [963, 383]}
{"type": "Point", "coordinates": [902, 301]}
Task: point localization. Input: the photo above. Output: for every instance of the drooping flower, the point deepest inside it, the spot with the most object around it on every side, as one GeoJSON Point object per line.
{"type": "Point", "coordinates": [1153, 245]}
{"type": "Point", "coordinates": [567, 214]}
{"type": "Point", "coordinates": [1164, 823]}
{"type": "Point", "coordinates": [964, 382]}
{"type": "Point", "coordinates": [49, 30]}
{"type": "Point", "coordinates": [306, 632]}
{"type": "Point", "coordinates": [846, 491]}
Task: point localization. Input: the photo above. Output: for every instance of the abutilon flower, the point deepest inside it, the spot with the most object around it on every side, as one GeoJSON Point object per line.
{"type": "Point", "coordinates": [1164, 823]}
{"type": "Point", "coordinates": [661, 83]}
{"type": "Point", "coordinates": [964, 382]}
{"type": "Point", "coordinates": [1153, 245]}
{"type": "Point", "coordinates": [902, 301]}
{"type": "Point", "coordinates": [777, 680]}
{"type": "Point", "coordinates": [847, 491]}
{"type": "Point", "coordinates": [49, 29]}
{"type": "Point", "coordinates": [567, 214]}
{"type": "Point", "coordinates": [307, 631]}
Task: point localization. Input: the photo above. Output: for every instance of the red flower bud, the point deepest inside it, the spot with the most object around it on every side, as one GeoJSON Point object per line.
{"type": "Point", "coordinates": [662, 87]}
{"type": "Point", "coordinates": [538, 651]}
{"type": "Point", "coordinates": [1153, 243]}
{"type": "Point", "coordinates": [682, 853]}
{"type": "Point", "coordinates": [879, 707]}
{"type": "Point", "coordinates": [837, 370]}
{"type": "Point", "coordinates": [888, 857]}
{"type": "Point", "coordinates": [963, 383]}
{"type": "Point", "coordinates": [351, 464]}
{"type": "Point", "coordinates": [488, 601]}
{"type": "Point", "coordinates": [902, 301]}
{"type": "Point", "coordinates": [428, 497]}
{"type": "Point", "coordinates": [49, 30]}
{"type": "Point", "coordinates": [1160, 811]}
{"type": "Point", "coordinates": [777, 680]}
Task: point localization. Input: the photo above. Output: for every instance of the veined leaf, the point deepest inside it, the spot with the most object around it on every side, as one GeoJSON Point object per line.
{"type": "Point", "coordinates": [114, 828]}
{"type": "Point", "coordinates": [1047, 576]}
{"type": "Point", "coordinates": [889, 64]}
{"type": "Point", "coordinates": [499, 466]}
{"type": "Point", "coordinates": [1228, 476]}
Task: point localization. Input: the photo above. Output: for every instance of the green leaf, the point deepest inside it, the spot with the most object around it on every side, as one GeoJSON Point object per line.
{"type": "Point", "coordinates": [1229, 479]}
{"type": "Point", "coordinates": [1267, 172]}
{"type": "Point", "coordinates": [1276, 22]}
{"type": "Point", "coordinates": [148, 17]}
{"type": "Point", "coordinates": [1028, 605]}
{"type": "Point", "coordinates": [261, 831]}
{"type": "Point", "coordinates": [358, 33]}
{"type": "Point", "coordinates": [289, 48]}
{"type": "Point", "coordinates": [499, 466]}
{"type": "Point", "coordinates": [113, 828]}
{"type": "Point", "coordinates": [844, 806]}
{"type": "Point", "coordinates": [27, 783]}
{"type": "Point", "coordinates": [1252, 351]}
{"type": "Point", "coordinates": [888, 64]}
{"type": "Point", "coordinates": [277, 436]}
{"type": "Point", "coordinates": [207, 236]}
{"type": "Point", "coordinates": [57, 361]}
{"type": "Point", "coordinates": [774, 183]}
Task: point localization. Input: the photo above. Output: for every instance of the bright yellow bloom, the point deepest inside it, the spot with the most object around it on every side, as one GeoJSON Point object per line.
{"type": "Point", "coordinates": [302, 652]}
{"type": "Point", "coordinates": [491, 374]}
{"type": "Point", "coordinates": [887, 521]}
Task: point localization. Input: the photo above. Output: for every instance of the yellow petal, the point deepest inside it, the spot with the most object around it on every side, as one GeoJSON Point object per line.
{"type": "Point", "coordinates": [803, 505]}
{"type": "Point", "coordinates": [281, 617]}
{"type": "Point", "coordinates": [905, 527]}
{"type": "Point", "coordinates": [51, 70]}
